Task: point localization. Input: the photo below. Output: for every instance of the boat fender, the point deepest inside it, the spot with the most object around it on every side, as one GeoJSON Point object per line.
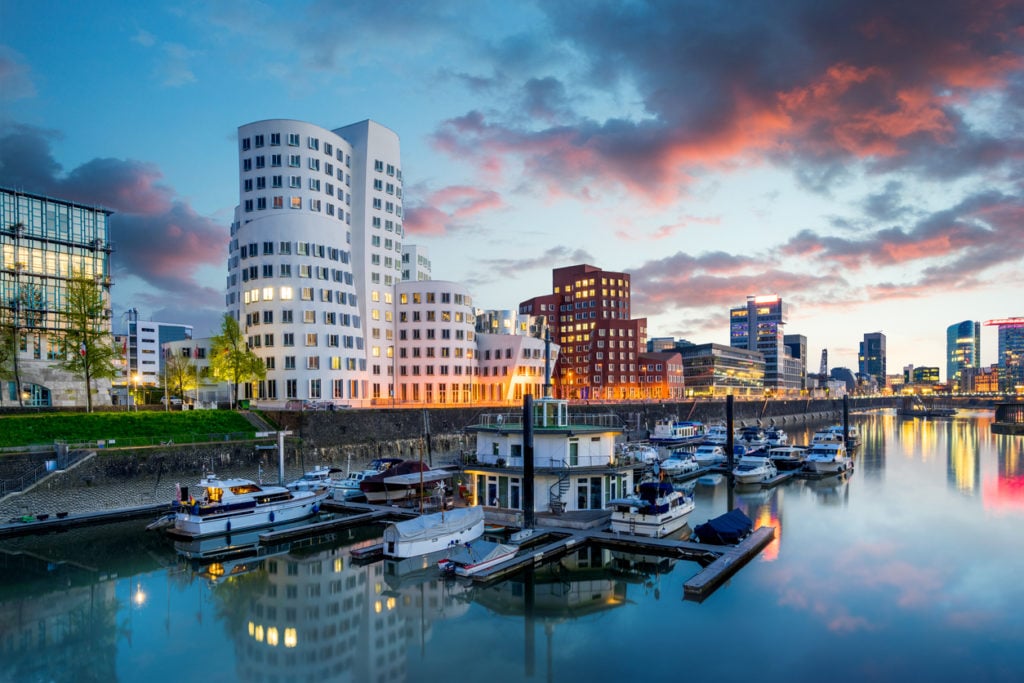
{"type": "Point", "coordinates": [271, 516]}
{"type": "Point", "coordinates": [228, 527]}
{"type": "Point", "coordinates": [316, 508]}
{"type": "Point", "coordinates": [195, 508]}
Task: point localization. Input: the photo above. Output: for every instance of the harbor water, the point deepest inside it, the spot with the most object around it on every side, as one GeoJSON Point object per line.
{"type": "Point", "coordinates": [909, 568]}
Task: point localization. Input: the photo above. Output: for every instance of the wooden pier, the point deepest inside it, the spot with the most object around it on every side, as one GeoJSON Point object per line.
{"type": "Point", "coordinates": [718, 562]}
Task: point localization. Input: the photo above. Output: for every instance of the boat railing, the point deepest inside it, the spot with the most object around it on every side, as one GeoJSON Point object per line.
{"type": "Point", "coordinates": [514, 420]}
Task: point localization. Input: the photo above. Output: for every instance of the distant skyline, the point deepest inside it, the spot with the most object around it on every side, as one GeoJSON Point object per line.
{"type": "Point", "coordinates": [861, 159]}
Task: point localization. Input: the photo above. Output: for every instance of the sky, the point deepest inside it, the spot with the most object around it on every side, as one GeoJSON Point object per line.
{"type": "Point", "coordinates": [862, 159]}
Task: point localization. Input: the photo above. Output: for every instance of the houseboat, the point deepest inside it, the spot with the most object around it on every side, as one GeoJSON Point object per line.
{"type": "Point", "coordinates": [575, 463]}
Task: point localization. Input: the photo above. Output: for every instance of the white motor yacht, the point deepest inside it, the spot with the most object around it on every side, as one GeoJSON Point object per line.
{"type": "Point", "coordinates": [828, 458]}
{"type": "Point", "coordinates": [708, 455]}
{"type": "Point", "coordinates": [754, 469]}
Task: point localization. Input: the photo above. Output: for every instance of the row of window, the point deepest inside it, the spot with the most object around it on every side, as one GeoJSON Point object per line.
{"type": "Point", "coordinates": [294, 181]}
{"type": "Point", "coordinates": [301, 270]}
{"type": "Point", "coordinates": [312, 339]}
{"type": "Point", "coordinates": [300, 249]}
{"type": "Point", "coordinates": [295, 202]}
{"type": "Point", "coordinates": [432, 297]}
{"type": "Point", "coordinates": [308, 317]}
{"type": "Point", "coordinates": [286, 293]}
{"type": "Point", "coordinates": [294, 140]}
{"type": "Point", "coordinates": [295, 161]}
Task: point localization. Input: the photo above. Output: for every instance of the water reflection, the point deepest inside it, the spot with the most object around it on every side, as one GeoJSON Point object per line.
{"type": "Point", "coordinates": [910, 561]}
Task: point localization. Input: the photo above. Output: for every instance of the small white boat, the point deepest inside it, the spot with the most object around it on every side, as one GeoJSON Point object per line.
{"type": "Point", "coordinates": [321, 476]}
{"type": "Point", "coordinates": [717, 434]}
{"type": "Point", "coordinates": [471, 558]}
{"type": "Point", "coordinates": [656, 511]}
{"type": "Point", "coordinates": [787, 457]}
{"type": "Point", "coordinates": [434, 532]}
{"type": "Point", "coordinates": [679, 463]}
{"type": "Point", "coordinates": [751, 437]}
{"type": "Point", "coordinates": [852, 434]}
{"type": "Point", "coordinates": [776, 436]}
{"type": "Point", "coordinates": [642, 453]}
{"type": "Point", "coordinates": [671, 431]}
{"type": "Point", "coordinates": [708, 455]}
{"type": "Point", "coordinates": [754, 469]}
{"type": "Point", "coordinates": [222, 506]}
{"type": "Point", "coordinates": [828, 458]}
{"type": "Point", "coordinates": [826, 436]}
{"type": "Point", "coordinates": [348, 488]}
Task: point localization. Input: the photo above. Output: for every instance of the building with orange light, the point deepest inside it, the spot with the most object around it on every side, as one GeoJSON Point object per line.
{"type": "Point", "coordinates": [1011, 352]}
{"type": "Point", "coordinates": [759, 326]}
{"type": "Point", "coordinates": [661, 375]}
{"type": "Point", "coordinates": [588, 313]}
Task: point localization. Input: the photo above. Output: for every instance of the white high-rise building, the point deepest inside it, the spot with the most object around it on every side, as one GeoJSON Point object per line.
{"type": "Point", "coordinates": [315, 252]}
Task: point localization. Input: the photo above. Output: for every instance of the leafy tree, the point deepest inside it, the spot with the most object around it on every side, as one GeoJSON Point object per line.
{"type": "Point", "coordinates": [90, 346]}
{"type": "Point", "coordinates": [181, 374]}
{"type": "Point", "coordinates": [9, 355]}
{"type": "Point", "coordinates": [231, 359]}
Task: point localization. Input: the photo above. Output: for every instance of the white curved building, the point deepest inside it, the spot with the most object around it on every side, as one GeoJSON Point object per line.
{"type": "Point", "coordinates": [314, 255]}
{"type": "Point", "coordinates": [436, 363]}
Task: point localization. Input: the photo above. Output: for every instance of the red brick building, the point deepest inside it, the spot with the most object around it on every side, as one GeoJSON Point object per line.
{"type": "Point", "coordinates": [589, 316]}
{"type": "Point", "coordinates": [661, 375]}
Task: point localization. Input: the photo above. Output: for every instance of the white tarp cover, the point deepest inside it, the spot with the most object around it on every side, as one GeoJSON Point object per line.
{"type": "Point", "coordinates": [435, 524]}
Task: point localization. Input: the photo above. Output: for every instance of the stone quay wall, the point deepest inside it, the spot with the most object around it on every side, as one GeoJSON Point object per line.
{"type": "Point", "coordinates": [350, 439]}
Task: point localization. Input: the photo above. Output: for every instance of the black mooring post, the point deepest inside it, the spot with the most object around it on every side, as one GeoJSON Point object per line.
{"type": "Point", "coordinates": [529, 520]}
{"type": "Point", "coordinates": [729, 439]}
{"type": "Point", "coordinates": [846, 420]}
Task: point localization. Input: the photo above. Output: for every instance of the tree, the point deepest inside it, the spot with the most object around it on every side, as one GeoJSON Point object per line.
{"type": "Point", "coordinates": [9, 355]}
{"type": "Point", "coordinates": [90, 346]}
{"type": "Point", "coordinates": [181, 374]}
{"type": "Point", "coordinates": [231, 359]}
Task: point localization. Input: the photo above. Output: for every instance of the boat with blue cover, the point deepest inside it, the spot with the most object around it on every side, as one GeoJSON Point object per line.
{"type": "Point", "coordinates": [657, 510]}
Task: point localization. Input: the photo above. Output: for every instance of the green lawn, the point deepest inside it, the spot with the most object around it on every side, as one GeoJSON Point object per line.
{"type": "Point", "coordinates": [134, 428]}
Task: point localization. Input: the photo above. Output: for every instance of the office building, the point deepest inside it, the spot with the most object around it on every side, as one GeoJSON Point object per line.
{"type": "Point", "coordinates": [44, 242]}
{"type": "Point", "coordinates": [963, 350]}
{"type": "Point", "coordinates": [588, 313]}
{"type": "Point", "coordinates": [314, 255]}
{"type": "Point", "coordinates": [758, 326]}
{"type": "Point", "coordinates": [871, 357]}
{"type": "Point", "coordinates": [661, 376]}
{"type": "Point", "coordinates": [415, 262]}
{"type": "Point", "coordinates": [1011, 353]}
{"type": "Point", "coordinates": [716, 370]}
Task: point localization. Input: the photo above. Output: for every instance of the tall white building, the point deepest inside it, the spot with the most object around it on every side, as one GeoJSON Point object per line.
{"type": "Point", "coordinates": [315, 252]}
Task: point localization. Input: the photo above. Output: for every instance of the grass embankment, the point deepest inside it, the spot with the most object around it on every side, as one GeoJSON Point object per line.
{"type": "Point", "coordinates": [126, 429]}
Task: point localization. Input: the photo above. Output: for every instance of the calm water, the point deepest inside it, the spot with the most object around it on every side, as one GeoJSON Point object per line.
{"type": "Point", "coordinates": [912, 568]}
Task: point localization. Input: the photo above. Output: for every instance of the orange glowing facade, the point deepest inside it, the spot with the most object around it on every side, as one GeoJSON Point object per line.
{"type": "Point", "coordinates": [588, 313]}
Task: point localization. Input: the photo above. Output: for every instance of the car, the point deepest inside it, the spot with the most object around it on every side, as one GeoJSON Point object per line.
{"type": "Point", "coordinates": [175, 401]}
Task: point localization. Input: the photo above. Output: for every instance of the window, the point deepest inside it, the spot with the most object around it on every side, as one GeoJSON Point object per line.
{"type": "Point", "coordinates": [378, 165]}
{"type": "Point", "coordinates": [278, 201]}
{"type": "Point", "coordinates": [314, 184]}
{"type": "Point", "coordinates": [313, 143]}
{"type": "Point", "coordinates": [275, 160]}
{"type": "Point", "coordinates": [286, 315]}
{"type": "Point", "coordinates": [275, 181]}
{"type": "Point", "coordinates": [296, 202]}
{"type": "Point", "coordinates": [293, 139]}
{"type": "Point", "coordinates": [275, 139]}
{"type": "Point", "coordinates": [294, 160]}
{"type": "Point", "coordinates": [289, 361]}
{"type": "Point", "coordinates": [289, 340]}
{"type": "Point", "coordinates": [312, 362]}
{"type": "Point", "coordinates": [311, 339]}
{"type": "Point", "coordinates": [314, 164]}
{"type": "Point", "coordinates": [246, 143]}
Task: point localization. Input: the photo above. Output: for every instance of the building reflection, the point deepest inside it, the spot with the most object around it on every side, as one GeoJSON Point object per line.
{"type": "Point", "coordinates": [764, 507]}
{"type": "Point", "coordinates": [869, 457]}
{"type": "Point", "coordinates": [1005, 491]}
{"type": "Point", "coordinates": [322, 616]}
{"type": "Point", "coordinates": [963, 466]}
{"type": "Point", "coordinates": [58, 621]}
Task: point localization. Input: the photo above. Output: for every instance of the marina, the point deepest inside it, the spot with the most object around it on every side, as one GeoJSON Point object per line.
{"type": "Point", "coordinates": [819, 563]}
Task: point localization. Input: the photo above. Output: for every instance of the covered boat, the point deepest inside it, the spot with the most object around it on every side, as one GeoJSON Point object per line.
{"type": "Point", "coordinates": [727, 529]}
{"type": "Point", "coordinates": [656, 511]}
{"type": "Point", "coordinates": [407, 479]}
{"type": "Point", "coordinates": [474, 557]}
{"type": "Point", "coordinates": [431, 533]}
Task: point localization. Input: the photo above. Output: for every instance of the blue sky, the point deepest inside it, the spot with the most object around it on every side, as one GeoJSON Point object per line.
{"type": "Point", "coordinates": [862, 159]}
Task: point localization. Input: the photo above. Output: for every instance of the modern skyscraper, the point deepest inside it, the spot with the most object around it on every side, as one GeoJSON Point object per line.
{"type": "Point", "coordinates": [588, 313]}
{"type": "Point", "coordinates": [315, 252]}
{"type": "Point", "coordinates": [1011, 352]}
{"type": "Point", "coordinates": [963, 350]}
{"type": "Point", "coordinates": [43, 243]}
{"type": "Point", "coordinates": [758, 326]}
{"type": "Point", "coordinates": [871, 359]}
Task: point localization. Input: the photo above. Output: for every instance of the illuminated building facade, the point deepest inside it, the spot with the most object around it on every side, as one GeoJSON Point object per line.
{"type": "Point", "coordinates": [436, 343]}
{"type": "Point", "coordinates": [43, 243]}
{"type": "Point", "coordinates": [1011, 353]}
{"type": "Point", "coordinates": [758, 326]}
{"type": "Point", "coordinates": [661, 375]}
{"type": "Point", "coordinates": [716, 370]}
{"type": "Point", "coordinates": [963, 350]}
{"type": "Point", "coordinates": [589, 317]}
{"type": "Point", "coordinates": [871, 358]}
{"type": "Point", "coordinates": [315, 252]}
